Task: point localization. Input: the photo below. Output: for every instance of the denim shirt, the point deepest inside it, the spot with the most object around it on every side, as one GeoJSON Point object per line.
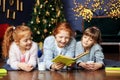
{"type": "Point", "coordinates": [95, 53]}
{"type": "Point", "coordinates": [50, 50]}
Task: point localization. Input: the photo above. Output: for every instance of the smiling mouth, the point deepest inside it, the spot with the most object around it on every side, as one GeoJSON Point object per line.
{"type": "Point", "coordinates": [85, 44]}
{"type": "Point", "coordinates": [62, 43]}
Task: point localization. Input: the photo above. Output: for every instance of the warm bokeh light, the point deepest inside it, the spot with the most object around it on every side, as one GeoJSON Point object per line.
{"type": "Point", "coordinates": [88, 9]}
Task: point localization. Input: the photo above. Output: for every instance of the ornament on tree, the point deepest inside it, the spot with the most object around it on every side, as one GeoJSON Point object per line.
{"type": "Point", "coordinates": [53, 9]}
{"type": "Point", "coordinates": [31, 22]}
{"type": "Point", "coordinates": [58, 13]}
{"type": "Point", "coordinates": [46, 1]}
{"type": "Point", "coordinates": [47, 13]}
{"type": "Point", "coordinates": [50, 32]}
{"type": "Point", "coordinates": [35, 11]}
{"type": "Point", "coordinates": [53, 21]}
{"type": "Point", "coordinates": [45, 30]}
{"type": "Point", "coordinates": [49, 25]}
{"type": "Point", "coordinates": [41, 6]}
{"type": "Point", "coordinates": [38, 2]}
{"type": "Point", "coordinates": [38, 32]}
{"type": "Point", "coordinates": [44, 21]}
{"type": "Point", "coordinates": [43, 36]}
{"type": "Point", "coordinates": [37, 20]}
{"type": "Point", "coordinates": [35, 28]}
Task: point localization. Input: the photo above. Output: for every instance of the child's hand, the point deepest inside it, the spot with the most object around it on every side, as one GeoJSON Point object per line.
{"type": "Point", "coordinates": [28, 67]}
{"type": "Point", "coordinates": [57, 66]}
{"type": "Point", "coordinates": [90, 66]}
{"type": "Point", "coordinates": [71, 65]}
{"type": "Point", "coordinates": [25, 67]}
{"type": "Point", "coordinates": [87, 66]}
{"type": "Point", "coordinates": [94, 66]}
{"type": "Point", "coordinates": [83, 65]}
{"type": "Point", "coordinates": [22, 65]}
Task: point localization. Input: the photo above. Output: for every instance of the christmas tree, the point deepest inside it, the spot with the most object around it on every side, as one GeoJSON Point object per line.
{"type": "Point", "coordinates": [46, 14]}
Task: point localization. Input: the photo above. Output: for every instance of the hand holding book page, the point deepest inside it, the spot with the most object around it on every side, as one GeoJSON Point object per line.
{"type": "Point", "coordinates": [67, 60]}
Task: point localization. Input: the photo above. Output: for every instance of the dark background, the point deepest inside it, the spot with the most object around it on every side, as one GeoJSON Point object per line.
{"type": "Point", "coordinates": [21, 17]}
{"type": "Point", "coordinates": [26, 14]}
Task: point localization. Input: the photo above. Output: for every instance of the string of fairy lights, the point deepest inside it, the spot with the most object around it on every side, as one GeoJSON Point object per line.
{"type": "Point", "coordinates": [111, 8]}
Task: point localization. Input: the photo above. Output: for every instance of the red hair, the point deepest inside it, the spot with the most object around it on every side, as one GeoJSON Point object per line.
{"type": "Point", "coordinates": [63, 26]}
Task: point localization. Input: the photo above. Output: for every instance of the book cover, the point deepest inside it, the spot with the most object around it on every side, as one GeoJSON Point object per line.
{"type": "Point", "coordinates": [67, 60]}
{"type": "Point", "coordinates": [112, 69]}
{"type": "Point", "coordinates": [3, 71]}
{"type": "Point", "coordinates": [113, 73]}
{"type": "Point", "coordinates": [63, 59]}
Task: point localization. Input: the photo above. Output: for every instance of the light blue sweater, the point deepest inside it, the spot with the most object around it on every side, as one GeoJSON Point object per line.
{"type": "Point", "coordinates": [50, 50]}
{"type": "Point", "coordinates": [95, 53]}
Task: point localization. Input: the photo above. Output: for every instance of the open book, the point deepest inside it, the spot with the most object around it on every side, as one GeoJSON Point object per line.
{"type": "Point", "coordinates": [67, 60]}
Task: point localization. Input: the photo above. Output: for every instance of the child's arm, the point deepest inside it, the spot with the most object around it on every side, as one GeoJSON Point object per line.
{"type": "Point", "coordinates": [57, 66]}
{"type": "Point", "coordinates": [32, 58]}
{"type": "Point", "coordinates": [82, 64]}
{"type": "Point", "coordinates": [91, 66]}
{"type": "Point", "coordinates": [25, 67]}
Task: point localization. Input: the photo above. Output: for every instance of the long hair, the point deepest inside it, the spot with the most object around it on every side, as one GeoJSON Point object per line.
{"type": "Point", "coordinates": [13, 34]}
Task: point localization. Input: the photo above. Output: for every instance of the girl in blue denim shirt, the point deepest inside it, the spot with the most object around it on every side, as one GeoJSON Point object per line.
{"type": "Point", "coordinates": [61, 42]}
{"type": "Point", "coordinates": [90, 42]}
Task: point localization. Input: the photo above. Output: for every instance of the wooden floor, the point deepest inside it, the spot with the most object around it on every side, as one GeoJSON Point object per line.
{"type": "Point", "coordinates": [60, 75]}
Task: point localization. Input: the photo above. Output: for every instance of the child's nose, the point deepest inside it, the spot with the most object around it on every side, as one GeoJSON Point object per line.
{"type": "Point", "coordinates": [87, 39]}
{"type": "Point", "coordinates": [29, 41]}
{"type": "Point", "coordinates": [63, 40]}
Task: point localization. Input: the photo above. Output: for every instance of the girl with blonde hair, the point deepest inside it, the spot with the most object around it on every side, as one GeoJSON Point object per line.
{"type": "Point", "coordinates": [19, 49]}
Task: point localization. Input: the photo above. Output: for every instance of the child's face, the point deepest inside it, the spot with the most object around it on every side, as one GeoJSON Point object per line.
{"type": "Point", "coordinates": [87, 41]}
{"type": "Point", "coordinates": [62, 38]}
{"type": "Point", "coordinates": [25, 42]}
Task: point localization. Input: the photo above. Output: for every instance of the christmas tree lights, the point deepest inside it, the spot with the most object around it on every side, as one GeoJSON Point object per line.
{"type": "Point", "coordinates": [46, 14]}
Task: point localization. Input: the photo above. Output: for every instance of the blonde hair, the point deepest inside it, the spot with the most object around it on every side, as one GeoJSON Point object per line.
{"type": "Point", "coordinates": [94, 33]}
{"type": "Point", "coordinates": [13, 34]}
